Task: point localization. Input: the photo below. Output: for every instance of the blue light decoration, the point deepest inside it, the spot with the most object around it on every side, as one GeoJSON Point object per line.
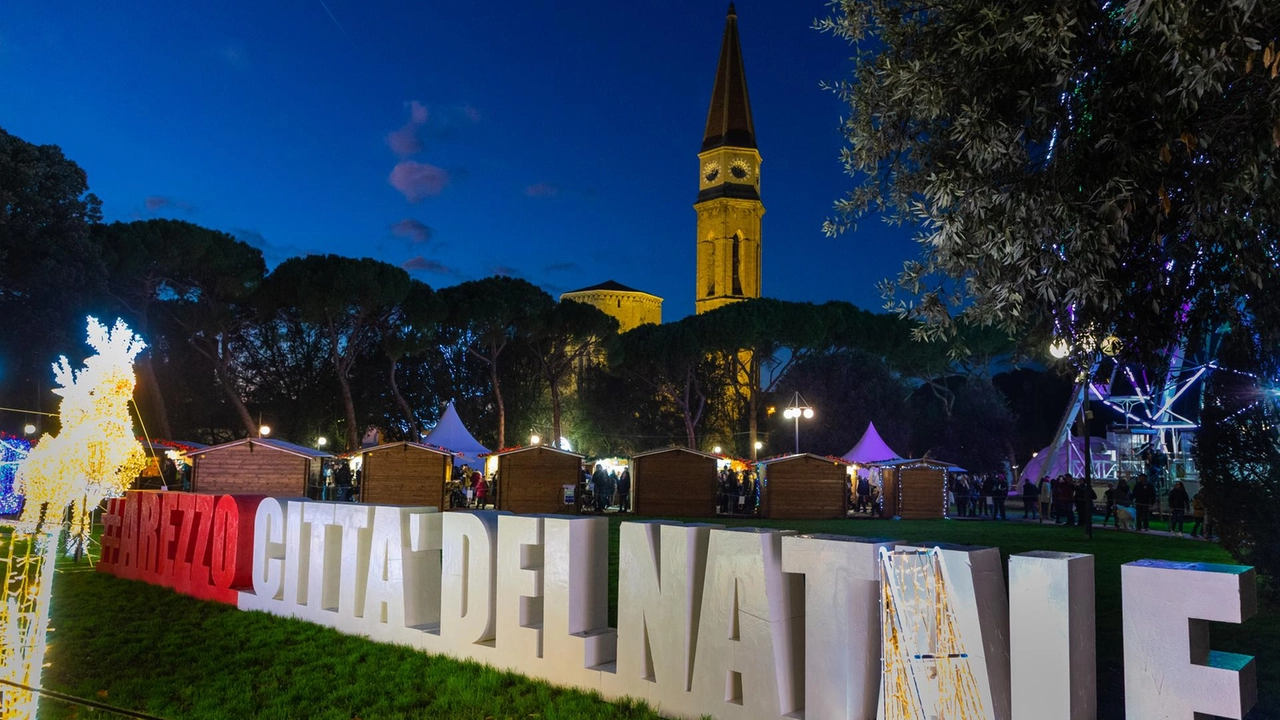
{"type": "Point", "coordinates": [13, 450]}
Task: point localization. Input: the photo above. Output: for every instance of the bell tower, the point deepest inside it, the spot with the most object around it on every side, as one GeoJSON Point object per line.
{"type": "Point", "coordinates": [728, 206]}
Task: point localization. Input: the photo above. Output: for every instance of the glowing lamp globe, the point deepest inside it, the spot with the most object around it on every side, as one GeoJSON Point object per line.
{"type": "Point", "coordinates": [322, 441]}
{"type": "Point", "coordinates": [717, 450]}
{"type": "Point", "coordinates": [265, 430]}
{"type": "Point", "coordinates": [29, 429]}
{"type": "Point", "coordinates": [808, 413]}
{"type": "Point", "coordinates": [534, 439]}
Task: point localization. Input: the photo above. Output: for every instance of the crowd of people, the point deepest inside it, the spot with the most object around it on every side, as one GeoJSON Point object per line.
{"type": "Point", "coordinates": [1072, 501]}
{"type": "Point", "coordinates": [469, 488]}
{"type": "Point", "coordinates": [737, 492]}
{"type": "Point", "coordinates": [604, 488]}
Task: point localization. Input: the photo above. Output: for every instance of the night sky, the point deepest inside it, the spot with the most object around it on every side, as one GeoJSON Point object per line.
{"type": "Point", "coordinates": [552, 141]}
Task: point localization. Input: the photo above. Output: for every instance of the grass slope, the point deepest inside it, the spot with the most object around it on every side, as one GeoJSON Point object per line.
{"type": "Point", "coordinates": [147, 648]}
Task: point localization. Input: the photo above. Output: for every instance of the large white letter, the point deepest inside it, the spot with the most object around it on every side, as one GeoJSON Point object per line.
{"type": "Point", "coordinates": [1052, 636]}
{"type": "Point", "coordinates": [842, 622]}
{"type": "Point", "coordinates": [519, 602]}
{"type": "Point", "coordinates": [576, 638]}
{"type": "Point", "coordinates": [749, 645]}
{"type": "Point", "coordinates": [1169, 671]}
{"type": "Point", "coordinates": [467, 598]}
{"type": "Point", "coordinates": [268, 550]}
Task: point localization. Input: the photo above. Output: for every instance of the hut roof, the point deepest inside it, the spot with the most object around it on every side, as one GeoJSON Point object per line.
{"type": "Point", "coordinates": [548, 448]}
{"type": "Point", "coordinates": [407, 444]}
{"type": "Point", "coordinates": [676, 448]}
{"type": "Point", "coordinates": [273, 443]}
{"type": "Point", "coordinates": [785, 458]}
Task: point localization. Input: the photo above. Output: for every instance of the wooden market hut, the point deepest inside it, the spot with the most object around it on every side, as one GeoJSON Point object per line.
{"type": "Point", "coordinates": [804, 486]}
{"type": "Point", "coordinates": [533, 479]}
{"type": "Point", "coordinates": [263, 466]}
{"type": "Point", "coordinates": [405, 473]}
{"type": "Point", "coordinates": [915, 489]}
{"type": "Point", "coordinates": [674, 482]}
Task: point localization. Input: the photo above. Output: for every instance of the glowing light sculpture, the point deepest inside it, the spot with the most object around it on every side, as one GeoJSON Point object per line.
{"type": "Point", "coordinates": [926, 671]}
{"type": "Point", "coordinates": [93, 457]}
{"type": "Point", "coordinates": [13, 451]}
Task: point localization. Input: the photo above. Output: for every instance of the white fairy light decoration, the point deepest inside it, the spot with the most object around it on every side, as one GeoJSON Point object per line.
{"type": "Point", "coordinates": [94, 456]}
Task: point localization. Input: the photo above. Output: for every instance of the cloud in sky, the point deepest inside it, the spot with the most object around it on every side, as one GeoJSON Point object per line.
{"type": "Point", "coordinates": [562, 267]}
{"type": "Point", "coordinates": [412, 230]}
{"type": "Point", "coordinates": [156, 203]}
{"type": "Point", "coordinates": [405, 142]}
{"type": "Point", "coordinates": [417, 112]}
{"type": "Point", "coordinates": [542, 190]}
{"type": "Point", "coordinates": [421, 264]}
{"type": "Point", "coordinates": [417, 181]}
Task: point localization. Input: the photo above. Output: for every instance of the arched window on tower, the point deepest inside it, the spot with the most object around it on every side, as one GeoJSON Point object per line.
{"type": "Point", "coordinates": [737, 263]}
{"type": "Point", "coordinates": [711, 267]}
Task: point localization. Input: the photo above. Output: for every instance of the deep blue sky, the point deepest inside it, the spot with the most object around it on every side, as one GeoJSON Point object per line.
{"type": "Point", "coordinates": [552, 140]}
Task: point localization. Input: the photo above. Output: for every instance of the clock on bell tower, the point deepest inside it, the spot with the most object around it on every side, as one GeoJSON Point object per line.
{"type": "Point", "coordinates": [729, 208]}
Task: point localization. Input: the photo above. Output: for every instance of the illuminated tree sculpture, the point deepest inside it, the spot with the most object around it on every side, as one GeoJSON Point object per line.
{"type": "Point", "coordinates": [94, 456]}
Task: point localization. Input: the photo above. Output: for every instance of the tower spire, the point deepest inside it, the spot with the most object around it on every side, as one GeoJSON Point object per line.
{"type": "Point", "coordinates": [729, 119]}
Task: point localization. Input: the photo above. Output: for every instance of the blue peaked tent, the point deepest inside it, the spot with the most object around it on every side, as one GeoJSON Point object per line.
{"type": "Point", "coordinates": [453, 436]}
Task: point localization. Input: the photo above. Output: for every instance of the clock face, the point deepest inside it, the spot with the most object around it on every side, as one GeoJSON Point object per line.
{"type": "Point", "coordinates": [740, 169]}
{"type": "Point", "coordinates": [711, 171]}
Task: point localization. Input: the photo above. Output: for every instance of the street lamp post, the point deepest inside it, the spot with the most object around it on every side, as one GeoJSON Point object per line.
{"type": "Point", "coordinates": [798, 408]}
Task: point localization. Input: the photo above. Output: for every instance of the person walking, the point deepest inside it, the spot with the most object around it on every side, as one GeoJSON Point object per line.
{"type": "Point", "coordinates": [482, 490]}
{"type": "Point", "coordinates": [1179, 503]}
{"type": "Point", "coordinates": [987, 490]}
{"type": "Point", "coordinates": [1030, 499]}
{"type": "Point", "coordinates": [1144, 497]}
{"type": "Point", "coordinates": [1197, 515]}
{"type": "Point", "coordinates": [1046, 499]}
{"type": "Point", "coordinates": [999, 496]}
{"type": "Point", "coordinates": [1084, 498]}
{"type": "Point", "coordinates": [1110, 497]}
{"type": "Point", "coordinates": [600, 483]}
{"type": "Point", "coordinates": [960, 489]}
{"type": "Point", "coordinates": [624, 490]}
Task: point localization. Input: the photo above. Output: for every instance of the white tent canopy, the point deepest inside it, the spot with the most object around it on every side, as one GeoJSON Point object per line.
{"type": "Point", "coordinates": [453, 436]}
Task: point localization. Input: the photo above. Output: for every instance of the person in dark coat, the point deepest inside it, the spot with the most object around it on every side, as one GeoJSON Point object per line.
{"type": "Point", "coordinates": [1030, 499]}
{"type": "Point", "coordinates": [1144, 499]}
{"type": "Point", "coordinates": [1179, 503]}
{"type": "Point", "coordinates": [999, 496]}
{"type": "Point", "coordinates": [600, 483]}
{"type": "Point", "coordinates": [1064, 499]}
{"type": "Point", "coordinates": [624, 490]}
{"type": "Point", "coordinates": [1110, 497]}
{"type": "Point", "coordinates": [1084, 498]}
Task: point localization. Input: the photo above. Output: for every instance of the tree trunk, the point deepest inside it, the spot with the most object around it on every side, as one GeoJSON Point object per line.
{"type": "Point", "coordinates": [555, 411]}
{"type": "Point", "coordinates": [497, 396]}
{"type": "Point", "coordinates": [415, 431]}
{"type": "Point", "coordinates": [160, 420]}
{"type": "Point", "coordinates": [349, 409]}
{"type": "Point", "coordinates": [753, 406]}
{"type": "Point", "coordinates": [220, 372]}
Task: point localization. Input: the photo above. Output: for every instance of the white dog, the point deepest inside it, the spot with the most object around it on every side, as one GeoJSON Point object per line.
{"type": "Point", "coordinates": [1124, 517]}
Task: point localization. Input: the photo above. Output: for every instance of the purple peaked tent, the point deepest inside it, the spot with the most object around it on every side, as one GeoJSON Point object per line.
{"type": "Point", "coordinates": [1070, 459]}
{"type": "Point", "coordinates": [871, 448]}
{"type": "Point", "coordinates": [453, 436]}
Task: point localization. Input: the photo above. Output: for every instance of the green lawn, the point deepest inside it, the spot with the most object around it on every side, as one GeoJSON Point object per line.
{"type": "Point", "coordinates": [146, 648]}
